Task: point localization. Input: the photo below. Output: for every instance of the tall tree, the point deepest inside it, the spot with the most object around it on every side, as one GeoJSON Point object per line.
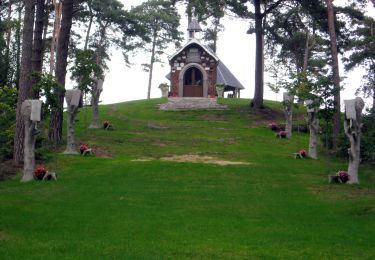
{"type": "Point", "coordinates": [55, 33]}
{"type": "Point", "coordinates": [24, 81]}
{"type": "Point", "coordinates": [107, 17]}
{"type": "Point", "coordinates": [262, 10]}
{"type": "Point", "coordinates": [336, 73]}
{"type": "Point", "coordinates": [55, 131]}
{"type": "Point", "coordinates": [37, 56]}
{"type": "Point", "coordinates": [161, 21]}
{"type": "Point", "coordinates": [362, 53]}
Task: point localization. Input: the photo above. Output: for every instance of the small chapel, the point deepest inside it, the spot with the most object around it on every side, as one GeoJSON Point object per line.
{"type": "Point", "coordinates": [196, 70]}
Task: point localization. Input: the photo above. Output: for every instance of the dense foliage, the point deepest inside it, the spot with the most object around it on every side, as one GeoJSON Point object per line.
{"type": "Point", "coordinates": [8, 97]}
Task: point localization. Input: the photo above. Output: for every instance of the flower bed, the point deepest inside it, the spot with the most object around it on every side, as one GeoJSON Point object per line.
{"type": "Point", "coordinates": [106, 124]}
{"type": "Point", "coordinates": [281, 134]}
{"type": "Point", "coordinates": [39, 172]}
{"type": "Point", "coordinates": [274, 127]}
{"type": "Point", "coordinates": [83, 147]}
{"type": "Point", "coordinates": [302, 153]}
{"type": "Point", "coordinates": [343, 176]}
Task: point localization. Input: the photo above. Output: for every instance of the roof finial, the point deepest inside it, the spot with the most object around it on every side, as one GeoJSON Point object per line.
{"type": "Point", "coordinates": [193, 25]}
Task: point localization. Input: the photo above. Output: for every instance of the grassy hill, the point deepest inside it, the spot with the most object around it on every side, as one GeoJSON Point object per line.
{"type": "Point", "coordinates": [188, 185]}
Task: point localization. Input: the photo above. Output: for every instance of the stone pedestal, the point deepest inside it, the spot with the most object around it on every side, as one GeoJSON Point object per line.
{"type": "Point", "coordinates": [31, 112]}
{"type": "Point", "coordinates": [72, 98]}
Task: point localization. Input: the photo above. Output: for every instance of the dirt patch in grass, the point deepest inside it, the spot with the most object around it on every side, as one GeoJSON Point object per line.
{"type": "Point", "coordinates": [214, 117]}
{"type": "Point", "coordinates": [342, 192]}
{"type": "Point", "coordinates": [195, 158]}
{"type": "Point", "coordinates": [259, 123]}
{"type": "Point", "coordinates": [102, 152]}
{"type": "Point", "coordinates": [143, 160]}
{"type": "Point", "coordinates": [4, 236]}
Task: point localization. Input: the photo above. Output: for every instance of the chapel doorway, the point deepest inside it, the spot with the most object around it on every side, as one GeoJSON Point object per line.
{"type": "Point", "coordinates": [193, 83]}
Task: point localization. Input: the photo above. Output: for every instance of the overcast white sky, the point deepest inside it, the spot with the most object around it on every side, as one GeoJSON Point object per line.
{"type": "Point", "coordinates": [235, 48]}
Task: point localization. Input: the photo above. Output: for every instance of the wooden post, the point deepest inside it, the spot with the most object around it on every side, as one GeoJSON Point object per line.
{"type": "Point", "coordinates": [31, 113]}
{"type": "Point", "coordinates": [72, 98]}
{"type": "Point", "coordinates": [353, 125]}
{"type": "Point", "coordinates": [288, 102]}
{"type": "Point", "coordinates": [313, 122]}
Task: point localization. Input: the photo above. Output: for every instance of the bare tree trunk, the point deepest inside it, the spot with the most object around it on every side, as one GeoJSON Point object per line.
{"type": "Point", "coordinates": [306, 55]}
{"type": "Point", "coordinates": [37, 55]}
{"type": "Point", "coordinates": [72, 99]}
{"type": "Point", "coordinates": [288, 102]}
{"type": "Point", "coordinates": [313, 123]}
{"type": "Point", "coordinates": [98, 87]}
{"type": "Point", "coordinates": [259, 77]}
{"type": "Point", "coordinates": [18, 39]}
{"type": "Point", "coordinates": [95, 95]}
{"type": "Point", "coordinates": [336, 74]}
{"type": "Point", "coordinates": [55, 131]}
{"type": "Point", "coordinates": [8, 38]}
{"type": "Point", "coordinates": [24, 81]}
{"type": "Point", "coordinates": [88, 32]}
{"type": "Point", "coordinates": [29, 119]}
{"type": "Point", "coordinates": [55, 34]}
{"type": "Point", "coordinates": [353, 125]}
{"type": "Point", "coordinates": [151, 64]}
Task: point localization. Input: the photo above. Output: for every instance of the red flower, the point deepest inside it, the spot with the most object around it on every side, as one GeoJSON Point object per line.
{"type": "Point", "coordinates": [282, 134]}
{"type": "Point", "coordinates": [39, 172]}
{"type": "Point", "coordinates": [343, 175]}
{"type": "Point", "coordinates": [274, 126]}
{"type": "Point", "coordinates": [303, 153]}
{"type": "Point", "coordinates": [83, 147]}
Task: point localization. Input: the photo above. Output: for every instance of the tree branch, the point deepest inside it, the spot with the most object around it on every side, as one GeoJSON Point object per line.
{"type": "Point", "coordinates": [272, 7]}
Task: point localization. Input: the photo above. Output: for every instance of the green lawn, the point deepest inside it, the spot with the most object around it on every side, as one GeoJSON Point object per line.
{"type": "Point", "coordinates": [117, 206]}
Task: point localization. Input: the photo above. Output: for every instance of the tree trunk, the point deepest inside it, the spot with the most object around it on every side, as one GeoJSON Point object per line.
{"type": "Point", "coordinates": [306, 54]}
{"type": "Point", "coordinates": [72, 99]}
{"type": "Point", "coordinates": [88, 33]}
{"type": "Point", "coordinates": [373, 100]}
{"type": "Point", "coordinates": [288, 102]}
{"type": "Point", "coordinates": [352, 126]}
{"type": "Point", "coordinates": [24, 81]}
{"type": "Point", "coordinates": [95, 95]}
{"type": "Point", "coordinates": [18, 39]}
{"type": "Point", "coordinates": [151, 64]}
{"type": "Point", "coordinates": [55, 34]}
{"type": "Point", "coordinates": [336, 74]}
{"type": "Point", "coordinates": [259, 76]}
{"type": "Point", "coordinates": [313, 123]}
{"type": "Point", "coordinates": [7, 51]}
{"type": "Point", "coordinates": [70, 142]}
{"type": "Point", "coordinates": [30, 117]}
{"type": "Point", "coordinates": [55, 131]}
{"type": "Point", "coordinates": [37, 55]}
{"type": "Point", "coordinates": [98, 87]}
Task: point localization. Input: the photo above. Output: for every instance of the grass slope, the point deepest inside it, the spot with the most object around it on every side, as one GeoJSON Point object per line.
{"type": "Point", "coordinates": [275, 207]}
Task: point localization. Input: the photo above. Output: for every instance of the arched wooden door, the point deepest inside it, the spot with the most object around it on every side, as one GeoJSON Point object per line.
{"type": "Point", "coordinates": [193, 83]}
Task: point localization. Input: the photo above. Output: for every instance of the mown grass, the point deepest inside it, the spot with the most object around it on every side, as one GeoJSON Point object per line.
{"type": "Point", "coordinates": [275, 207]}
